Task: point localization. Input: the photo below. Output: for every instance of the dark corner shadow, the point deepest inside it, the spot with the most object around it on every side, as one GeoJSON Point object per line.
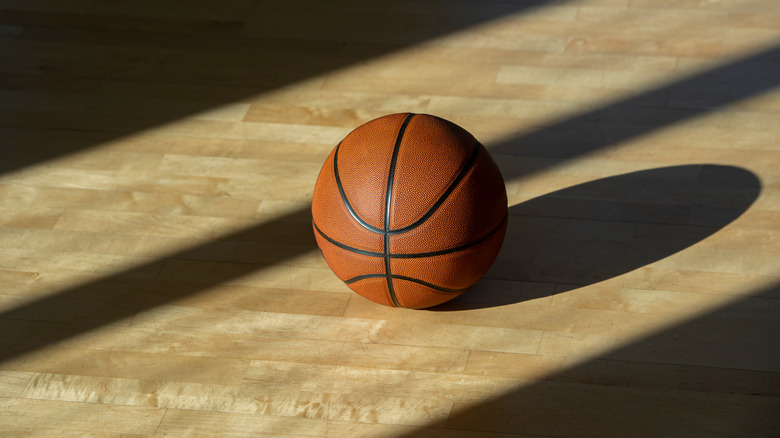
{"type": "Point", "coordinates": [716, 374]}
{"type": "Point", "coordinates": [84, 308]}
{"type": "Point", "coordinates": [99, 73]}
{"type": "Point", "coordinates": [601, 229]}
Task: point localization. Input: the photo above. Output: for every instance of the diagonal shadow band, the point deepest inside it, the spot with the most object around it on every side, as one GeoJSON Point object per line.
{"type": "Point", "coordinates": [715, 374]}
{"type": "Point", "coordinates": [680, 101]}
{"type": "Point", "coordinates": [82, 76]}
{"type": "Point", "coordinates": [134, 73]}
{"type": "Point", "coordinates": [77, 310]}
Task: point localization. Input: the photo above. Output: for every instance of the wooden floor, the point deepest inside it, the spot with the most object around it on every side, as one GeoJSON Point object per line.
{"type": "Point", "coordinates": [159, 275]}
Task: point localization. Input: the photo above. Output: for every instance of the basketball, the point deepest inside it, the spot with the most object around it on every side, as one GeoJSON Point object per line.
{"type": "Point", "coordinates": [409, 210]}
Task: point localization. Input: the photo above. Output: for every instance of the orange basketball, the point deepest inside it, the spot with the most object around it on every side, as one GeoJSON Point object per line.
{"type": "Point", "coordinates": [409, 210]}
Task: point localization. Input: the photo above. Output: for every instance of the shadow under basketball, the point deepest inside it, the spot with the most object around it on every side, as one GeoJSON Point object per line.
{"type": "Point", "coordinates": [601, 229]}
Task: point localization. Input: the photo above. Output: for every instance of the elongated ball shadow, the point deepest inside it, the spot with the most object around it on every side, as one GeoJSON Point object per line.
{"type": "Point", "coordinates": [601, 229]}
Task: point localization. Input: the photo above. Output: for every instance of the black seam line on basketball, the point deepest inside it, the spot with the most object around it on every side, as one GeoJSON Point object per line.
{"type": "Point", "coordinates": [388, 201]}
{"type": "Point", "coordinates": [455, 249]}
{"type": "Point", "coordinates": [347, 247]}
{"type": "Point", "coordinates": [403, 277]}
{"type": "Point", "coordinates": [412, 255]}
{"type": "Point", "coordinates": [469, 164]}
{"type": "Point", "coordinates": [351, 210]}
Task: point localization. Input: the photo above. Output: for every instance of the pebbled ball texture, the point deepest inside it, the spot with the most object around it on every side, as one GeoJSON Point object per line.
{"type": "Point", "coordinates": [409, 210]}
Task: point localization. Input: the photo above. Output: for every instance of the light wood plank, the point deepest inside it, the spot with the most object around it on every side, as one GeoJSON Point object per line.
{"type": "Point", "coordinates": [51, 418]}
{"type": "Point", "coordinates": [189, 423]}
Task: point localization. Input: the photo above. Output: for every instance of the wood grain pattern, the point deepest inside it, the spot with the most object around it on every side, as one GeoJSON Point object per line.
{"type": "Point", "coordinates": [159, 274]}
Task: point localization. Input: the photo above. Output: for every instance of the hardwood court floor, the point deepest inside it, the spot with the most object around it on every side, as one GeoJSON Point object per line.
{"type": "Point", "coordinates": [159, 275]}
